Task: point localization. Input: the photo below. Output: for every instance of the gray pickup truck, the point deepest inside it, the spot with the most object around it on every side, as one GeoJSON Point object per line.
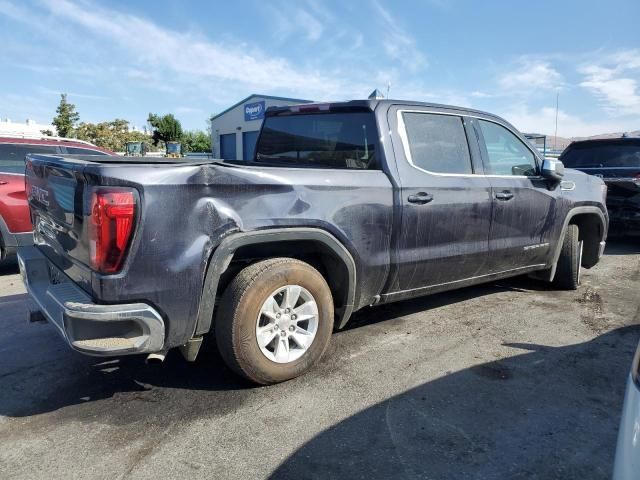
{"type": "Point", "coordinates": [344, 206]}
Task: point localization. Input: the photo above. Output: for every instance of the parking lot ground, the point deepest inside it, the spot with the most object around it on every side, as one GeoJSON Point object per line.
{"type": "Point", "coordinates": [508, 380]}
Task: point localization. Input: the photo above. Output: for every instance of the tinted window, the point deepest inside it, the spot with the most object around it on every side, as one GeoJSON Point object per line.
{"type": "Point", "coordinates": [437, 142]}
{"type": "Point", "coordinates": [323, 140]}
{"type": "Point", "coordinates": [602, 155]}
{"type": "Point", "coordinates": [12, 155]}
{"type": "Point", "coordinates": [506, 153]}
{"type": "Point", "coordinates": [83, 151]}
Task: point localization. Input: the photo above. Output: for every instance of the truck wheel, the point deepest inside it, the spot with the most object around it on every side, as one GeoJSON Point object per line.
{"type": "Point", "coordinates": [275, 320]}
{"type": "Point", "coordinates": [568, 268]}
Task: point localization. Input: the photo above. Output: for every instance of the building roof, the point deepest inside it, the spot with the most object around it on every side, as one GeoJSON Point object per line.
{"type": "Point", "coordinates": [266, 97]}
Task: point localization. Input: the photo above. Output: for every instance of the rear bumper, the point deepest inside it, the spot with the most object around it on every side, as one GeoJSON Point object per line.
{"type": "Point", "coordinates": [10, 241]}
{"type": "Point", "coordinates": [90, 328]}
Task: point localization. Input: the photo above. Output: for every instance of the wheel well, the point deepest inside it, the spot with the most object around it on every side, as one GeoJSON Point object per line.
{"type": "Point", "coordinates": [591, 233]}
{"type": "Point", "coordinates": [315, 253]}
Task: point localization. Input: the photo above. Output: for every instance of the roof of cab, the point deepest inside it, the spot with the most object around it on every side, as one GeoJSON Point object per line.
{"type": "Point", "coordinates": [372, 104]}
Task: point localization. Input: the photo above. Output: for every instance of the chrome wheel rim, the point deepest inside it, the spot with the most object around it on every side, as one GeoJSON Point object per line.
{"type": "Point", "coordinates": [287, 324]}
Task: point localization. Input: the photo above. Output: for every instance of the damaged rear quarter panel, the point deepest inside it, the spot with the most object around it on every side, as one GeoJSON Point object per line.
{"type": "Point", "coordinates": [188, 209]}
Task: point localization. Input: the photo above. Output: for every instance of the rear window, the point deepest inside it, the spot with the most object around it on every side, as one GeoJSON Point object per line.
{"type": "Point", "coordinates": [83, 151]}
{"type": "Point", "coordinates": [324, 140]}
{"type": "Point", "coordinates": [602, 155]}
{"type": "Point", "coordinates": [12, 155]}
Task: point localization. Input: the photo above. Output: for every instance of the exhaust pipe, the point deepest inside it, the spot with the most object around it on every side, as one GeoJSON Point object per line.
{"type": "Point", "coordinates": [155, 358]}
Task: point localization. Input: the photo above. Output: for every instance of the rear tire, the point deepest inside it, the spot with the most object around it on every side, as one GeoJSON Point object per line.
{"type": "Point", "coordinates": [257, 345]}
{"type": "Point", "coordinates": [568, 267]}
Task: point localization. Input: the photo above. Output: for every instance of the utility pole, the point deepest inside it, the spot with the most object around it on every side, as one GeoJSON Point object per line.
{"type": "Point", "coordinates": [555, 138]}
{"type": "Point", "coordinates": [388, 87]}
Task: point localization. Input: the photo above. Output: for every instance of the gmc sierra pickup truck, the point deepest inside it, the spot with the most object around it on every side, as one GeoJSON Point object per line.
{"type": "Point", "coordinates": [344, 206]}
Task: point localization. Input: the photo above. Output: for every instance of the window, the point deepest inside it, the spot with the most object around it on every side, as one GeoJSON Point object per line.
{"type": "Point", "coordinates": [437, 143]}
{"type": "Point", "coordinates": [83, 151]}
{"type": "Point", "coordinates": [604, 154]}
{"type": "Point", "coordinates": [506, 153]}
{"type": "Point", "coordinates": [319, 140]}
{"type": "Point", "coordinates": [12, 155]}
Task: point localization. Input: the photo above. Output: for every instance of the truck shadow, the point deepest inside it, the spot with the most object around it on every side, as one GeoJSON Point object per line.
{"type": "Point", "coordinates": [547, 413]}
{"type": "Point", "coordinates": [44, 375]}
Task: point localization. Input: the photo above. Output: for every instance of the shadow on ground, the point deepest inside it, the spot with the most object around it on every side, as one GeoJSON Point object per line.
{"type": "Point", "coordinates": [547, 413]}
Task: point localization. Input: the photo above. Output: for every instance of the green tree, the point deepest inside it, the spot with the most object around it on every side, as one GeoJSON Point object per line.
{"type": "Point", "coordinates": [66, 117]}
{"type": "Point", "coordinates": [196, 141]}
{"type": "Point", "coordinates": [166, 128]}
{"type": "Point", "coordinates": [111, 135]}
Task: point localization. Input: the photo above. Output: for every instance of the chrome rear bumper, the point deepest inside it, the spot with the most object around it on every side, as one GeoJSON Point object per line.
{"type": "Point", "coordinates": [90, 328]}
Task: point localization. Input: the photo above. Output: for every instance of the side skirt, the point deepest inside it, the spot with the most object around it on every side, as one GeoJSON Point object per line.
{"type": "Point", "coordinates": [467, 282]}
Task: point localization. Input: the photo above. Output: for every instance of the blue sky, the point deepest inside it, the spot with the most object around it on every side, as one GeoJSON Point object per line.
{"type": "Point", "coordinates": [124, 59]}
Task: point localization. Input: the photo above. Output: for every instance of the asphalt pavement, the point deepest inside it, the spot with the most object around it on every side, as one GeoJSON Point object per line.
{"type": "Point", "coordinates": [506, 380]}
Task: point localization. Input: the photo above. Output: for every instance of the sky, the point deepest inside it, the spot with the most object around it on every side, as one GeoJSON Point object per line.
{"type": "Point", "coordinates": [124, 59]}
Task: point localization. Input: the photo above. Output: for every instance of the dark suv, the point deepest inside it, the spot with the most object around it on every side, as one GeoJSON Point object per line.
{"type": "Point", "coordinates": [617, 162]}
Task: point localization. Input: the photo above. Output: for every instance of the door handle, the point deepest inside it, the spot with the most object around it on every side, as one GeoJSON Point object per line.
{"type": "Point", "coordinates": [504, 195]}
{"type": "Point", "coordinates": [420, 198]}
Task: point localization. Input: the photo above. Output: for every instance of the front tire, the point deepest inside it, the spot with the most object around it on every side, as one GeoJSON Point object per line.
{"type": "Point", "coordinates": [568, 267]}
{"type": "Point", "coordinates": [275, 320]}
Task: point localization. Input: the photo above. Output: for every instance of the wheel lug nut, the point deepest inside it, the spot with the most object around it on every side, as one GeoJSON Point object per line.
{"type": "Point", "coordinates": [278, 315]}
{"type": "Point", "coordinates": [283, 333]}
{"type": "Point", "coordinates": [293, 316]}
{"type": "Point", "coordinates": [291, 328]}
{"type": "Point", "coordinates": [287, 310]}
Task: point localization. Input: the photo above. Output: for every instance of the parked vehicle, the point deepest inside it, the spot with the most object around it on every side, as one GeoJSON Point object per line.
{"type": "Point", "coordinates": [15, 222]}
{"type": "Point", "coordinates": [344, 206]}
{"type": "Point", "coordinates": [617, 162]}
{"type": "Point", "coordinates": [627, 463]}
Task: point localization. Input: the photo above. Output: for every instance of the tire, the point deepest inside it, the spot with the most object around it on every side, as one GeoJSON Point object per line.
{"type": "Point", "coordinates": [568, 267]}
{"type": "Point", "coordinates": [242, 312]}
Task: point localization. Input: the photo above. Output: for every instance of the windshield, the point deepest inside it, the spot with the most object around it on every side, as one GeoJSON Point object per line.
{"type": "Point", "coordinates": [12, 155]}
{"type": "Point", "coordinates": [321, 140]}
{"type": "Point", "coordinates": [602, 155]}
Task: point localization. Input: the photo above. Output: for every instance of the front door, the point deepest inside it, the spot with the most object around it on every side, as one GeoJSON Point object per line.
{"type": "Point", "coordinates": [524, 210]}
{"type": "Point", "coordinates": [446, 206]}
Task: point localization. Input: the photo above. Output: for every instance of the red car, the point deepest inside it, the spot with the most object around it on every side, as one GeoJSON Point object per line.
{"type": "Point", "coordinates": [15, 221]}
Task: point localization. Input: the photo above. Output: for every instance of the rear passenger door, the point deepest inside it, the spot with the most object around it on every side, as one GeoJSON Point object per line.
{"type": "Point", "coordinates": [445, 205]}
{"type": "Point", "coordinates": [524, 210]}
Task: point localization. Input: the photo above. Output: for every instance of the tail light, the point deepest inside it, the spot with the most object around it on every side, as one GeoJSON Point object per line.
{"type": "Point", "coordinates": [111, 225]}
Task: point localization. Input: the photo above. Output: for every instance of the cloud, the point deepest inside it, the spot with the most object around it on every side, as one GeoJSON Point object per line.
{"type": "Point", "coordinates": [288, 20]}
{"type": "Point", "coordinates": [543, 121]}
{"type": "Point", "coordinates": [531, 74]}
{"type": "Point", "coordinates": [193, 59]}
{"type": "Point", "coordinates": [397, 44]}
{"type": "Point", "coordinates": [614, 81]}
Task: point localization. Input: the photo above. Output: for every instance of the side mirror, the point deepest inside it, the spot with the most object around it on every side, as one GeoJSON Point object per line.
{"type": "Point", "coordinates": [552, 170]}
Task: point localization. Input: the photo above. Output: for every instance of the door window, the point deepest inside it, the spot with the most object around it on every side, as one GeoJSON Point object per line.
{"type": "Point", "coordinates": [437, 143]}
{"type": "Point", "coordinates": [506, 153]}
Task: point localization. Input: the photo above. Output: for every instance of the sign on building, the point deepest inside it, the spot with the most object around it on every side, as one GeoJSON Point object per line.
{"type": "Point", "coordinates": [254, 111]}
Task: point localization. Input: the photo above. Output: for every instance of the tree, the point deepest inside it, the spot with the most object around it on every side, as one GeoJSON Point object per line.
{"type": "Point", "coordinates": [196, 141]}
{"type": "Point", "coordinates": [111, 135]}
{"type": "Point", "coordinates": [67, 117]}
{"type": "Point", "coordinates": [165, 129]}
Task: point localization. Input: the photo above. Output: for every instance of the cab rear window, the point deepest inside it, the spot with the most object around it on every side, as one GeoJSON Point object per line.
{"type": "Point", "coordinates": [345, 140]}
{"type": "Point", "coordinates": [602, 155]}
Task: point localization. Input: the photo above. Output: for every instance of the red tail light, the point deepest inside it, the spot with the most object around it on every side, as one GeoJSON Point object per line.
{"type": "Point", "coordinates": [113, 213]}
